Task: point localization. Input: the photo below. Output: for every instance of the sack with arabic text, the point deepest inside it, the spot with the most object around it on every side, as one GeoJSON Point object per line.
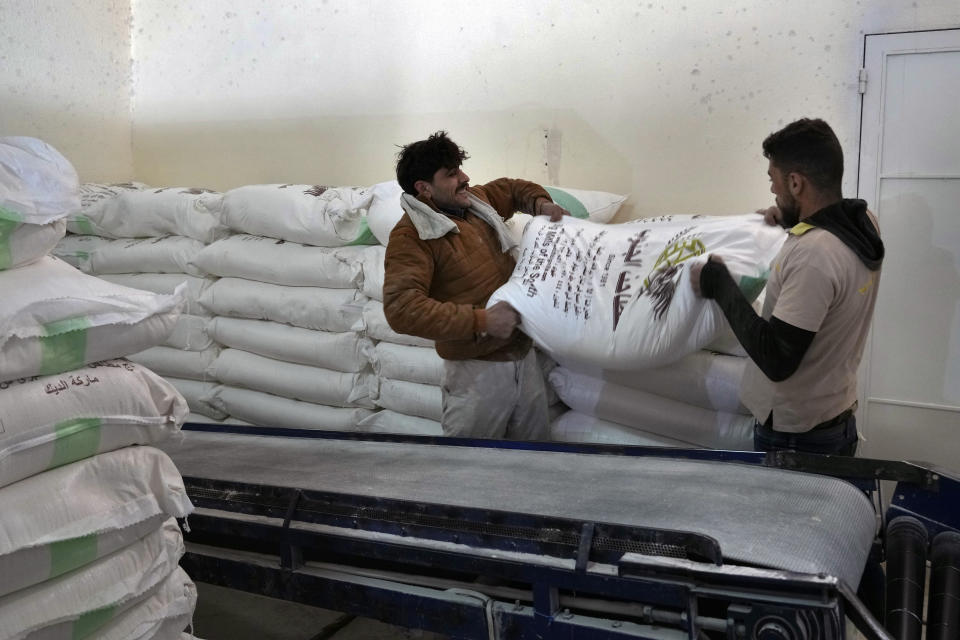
{"type": "Point", "coordinates": [619, 296]}
{"type": "Point", "coordinates": [50, 421]}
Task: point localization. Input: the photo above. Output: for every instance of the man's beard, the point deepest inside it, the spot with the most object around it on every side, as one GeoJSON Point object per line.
{"type": "Point", "coordinates": [789, 213]}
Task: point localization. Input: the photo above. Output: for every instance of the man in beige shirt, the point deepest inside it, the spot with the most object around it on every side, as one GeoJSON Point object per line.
{"type": "Point", "coordinates": [805, 348]}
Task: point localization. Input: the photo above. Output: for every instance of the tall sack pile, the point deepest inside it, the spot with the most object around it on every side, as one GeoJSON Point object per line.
{"type": "Point", "coordinates": [146, 238]}
{"type": "Point", "coordinates": [408, 369]}
{"type": "Point", "coordinates": [285, 305]}
{"type": "Point", "coordinates": [89, 547]}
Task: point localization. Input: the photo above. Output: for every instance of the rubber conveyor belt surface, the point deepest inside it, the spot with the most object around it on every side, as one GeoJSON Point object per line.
{"type": "Point", "coordinates": [760, 516]}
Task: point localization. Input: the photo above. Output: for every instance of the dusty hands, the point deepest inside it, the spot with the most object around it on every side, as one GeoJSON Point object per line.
{"type": "Point", "coordinates": [553, 210]}
{"type": "Point", "coordinates": [502, 319]}
{"type": "Point", "coordinates": [772, 215]}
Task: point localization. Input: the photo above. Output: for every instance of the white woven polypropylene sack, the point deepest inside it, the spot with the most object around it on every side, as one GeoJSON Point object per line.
{"type": "Point", "coordinates": [177, 363]}
{"type": "Point", "coordinates": [574, 426]}
{"type": "Point", "coordinates": [652, 413]}
{"type": "Point", "coordinates": [407, 363]}
{"type": "Point", "coordinates": [703, 378]}
{"type": "Point", "coordinates": [55, 319]}
{"type": "Point", "coordinates": [295, 381]}
{"type": "Point", "coordinates": [387, 421]}
{"type": "Point", "coordinates": [78, 603]}
{"type": "Point", "coordinates": [190, 334]}
{"type": "Point", "coordinates": [21, 244]}
{"type": "Point", "coordinates": [149, 213]}
{"type": "Point", "coordinates": [385, 210]}
{"type": "Point", "coordinates": [77, 251]}
{"type": "Point", "coordinates": [596, 206]}
{"type": "Point", "coordinates": [50, 421]}
{"type": "Point", "coordinates": [619, 296]}
{"type": "Point", "coordinates": [282, 262]}
{"type": "Point", "coordinates": [169, 254]}
{"type": "Point", "coordinates": [37, 183]}
{"type": "Point", "coordinates": [340, 351]}
{"type": "Point", "coordinates": [372, 268]}
{"type": "Point", "coordinates": [374, 325]}
{"type": "Point", "coordinates": [308, 214]}
{"type": "Point", "coordinates": [166, 283]}
{"type": "Point", "coordinates": [38, 188]}
{"type": "Point", "coordinates": [70, 516]}
{"type": "Point", "coordinates": [197, 395]}
{"type": "Point", "coordinates": [273, 411]}
{"type": "Point", "coordinates": [410, 398]}
{"type": "Point", "coordinates": [169, 605]}
{"type": "Point", "coordinates": [306, 307]}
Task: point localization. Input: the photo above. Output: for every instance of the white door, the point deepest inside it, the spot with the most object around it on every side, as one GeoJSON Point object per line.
{"type": "Point", "coordinates": [910, 176]}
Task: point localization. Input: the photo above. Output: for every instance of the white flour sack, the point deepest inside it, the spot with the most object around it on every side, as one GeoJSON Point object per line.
{"type": "Point", "coordinates": [164, 613]}
{"type": "Point", "coordinates": [316, 308]}
{"type": "Point", "coordinates": [50, 421]}
{"type": "Point", "coordinates": [387, 421]}
{"type": "Point", "coordinates": [410, 398]}
{"type": "Point", "coordinates": [574, 426]}
{"type": "Point", "coordinates": [385, 210]}
{"type": "Point", "coordinates": [371, 264]}
{"type": "Point", "coordinates": [294, 381]}
{"type": "Point", "coordinates": [166, 283]}
{"type": "Point", "coordinates": [308, 214]}
{"type": "Point", "coordinates": [273, 411]}
{"type": "Point", "coordinates": [374, 325]}
{"type": "Point", "coordinates": [282, 262]}
{"type": "Point", "coordinates": [197, 394]}
{"type": "Point", "coordinates": [177, 363]}
{"type": "Point", "coordinates": [78, 604]}
{"type": "Point", "coordinates": [148, 213]}
{"type": "Point", "coordinates": [72, 515]}
{"type": "Point", "coordinates": [407, 363]}
{"type": "Point", "coordinates": [169, 254]}
{"type": "Point", "coordinates": [54, 319]}
{"type": "Point", "coordinates": [619, 296]}
{"type": "Point", "coordinates": [38, 188]}
{"type": "Point", "coordinates": [340, 351]}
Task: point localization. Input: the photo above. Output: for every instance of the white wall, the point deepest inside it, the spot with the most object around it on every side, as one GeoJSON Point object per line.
{"type": "Point", "coordinates": [65, 78]}
{"type": "Point", "coordinates": [667, 101]}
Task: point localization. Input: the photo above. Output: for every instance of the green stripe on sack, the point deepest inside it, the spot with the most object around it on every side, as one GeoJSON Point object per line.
{"type": "Point", "coordinates": [68, 555]}
{"type": "Point", "coordinates": [77, 439]}
{"type": "Point", "coordinates": [83, 225]}
{"type": "Point", "coordinates": [91, 621]}
{"type": "Point", "coordinates": [751, 286]}
{"type": "Point", "coordinates": [568, 202]}
{"type": "Point", "coordinates": [365, 236]}
{"type": "Point", "coordinates": [10, 221]}
{"type": "Point", "coordinates": [64, 348]}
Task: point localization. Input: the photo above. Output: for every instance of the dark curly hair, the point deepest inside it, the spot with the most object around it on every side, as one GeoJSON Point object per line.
{"type": "Point", "coordinates": [808, 146]}
{"type": "Point", "coordinates": [420, 160]}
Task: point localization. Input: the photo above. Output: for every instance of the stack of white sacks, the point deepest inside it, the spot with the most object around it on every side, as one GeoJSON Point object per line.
{"type": "Point", "coordinates": [147, 238]}
{"type": "Point", "coordinates": [89, 546]}
{"type": "Point", "coordinates": [286, 305]}
{"type": "Point", "coordinates": [285, 323]}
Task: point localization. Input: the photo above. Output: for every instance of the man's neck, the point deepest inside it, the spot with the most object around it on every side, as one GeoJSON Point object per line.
{"type": "Point", "coordinates": [814, 204]}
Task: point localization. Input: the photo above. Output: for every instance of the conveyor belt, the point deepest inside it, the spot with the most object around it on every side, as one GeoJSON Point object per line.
{"type": "Point", "coordinates": [760, 516]}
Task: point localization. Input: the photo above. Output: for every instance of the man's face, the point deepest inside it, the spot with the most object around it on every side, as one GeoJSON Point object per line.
{"type": "Point", "coordinates": [448, 189]}
{"type": "Point", "coordinates": [789, 208]}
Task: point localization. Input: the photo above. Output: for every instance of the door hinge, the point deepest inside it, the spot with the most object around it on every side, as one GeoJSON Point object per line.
{"type": "Point", "coordinates": [862, 81]}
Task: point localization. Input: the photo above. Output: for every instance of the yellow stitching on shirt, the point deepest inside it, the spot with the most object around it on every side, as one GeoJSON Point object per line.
{"type": "Point", "coordinates": [801, 228]}
{"type": "Point", "coordinates": [863, 290]}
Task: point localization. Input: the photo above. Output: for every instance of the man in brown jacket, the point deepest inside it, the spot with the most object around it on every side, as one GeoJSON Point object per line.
{"type": "Point", "coordinates": [448, 253]}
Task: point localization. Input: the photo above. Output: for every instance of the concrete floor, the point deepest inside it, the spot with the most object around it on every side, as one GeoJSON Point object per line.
{"type": "Point", "coordinates": [227, 614]}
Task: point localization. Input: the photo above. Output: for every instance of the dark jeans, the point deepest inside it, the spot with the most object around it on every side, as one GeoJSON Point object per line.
{"type": "Point", "coordinates": [836, 437]}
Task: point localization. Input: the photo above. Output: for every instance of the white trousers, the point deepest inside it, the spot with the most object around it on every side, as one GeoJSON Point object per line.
{"type": "Point", "coordinates": [483, 399]}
